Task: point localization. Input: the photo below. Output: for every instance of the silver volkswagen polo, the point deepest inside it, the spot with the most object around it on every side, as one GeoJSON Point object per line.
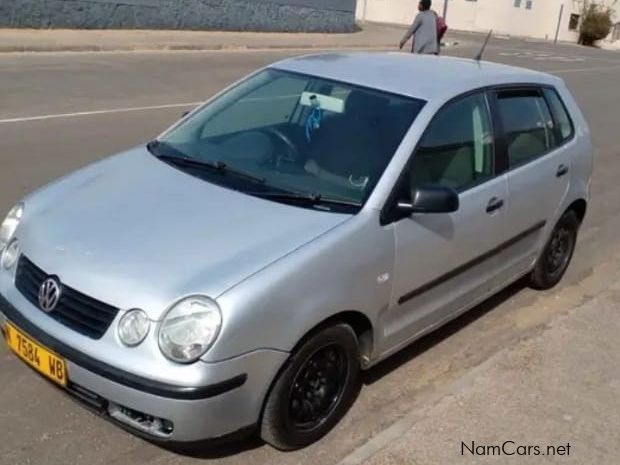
{"type": "Point", "coordinates": [311, 220]}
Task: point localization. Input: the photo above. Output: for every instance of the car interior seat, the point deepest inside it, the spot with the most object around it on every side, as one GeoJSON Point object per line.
{"type": "Point", "coordinates": [525, 146]}
{"type": "Point", "coordinates": [347, 143]}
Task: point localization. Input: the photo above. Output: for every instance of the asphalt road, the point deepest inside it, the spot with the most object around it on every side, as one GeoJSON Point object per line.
{"type": "Point", "coordinates": [40, 140]}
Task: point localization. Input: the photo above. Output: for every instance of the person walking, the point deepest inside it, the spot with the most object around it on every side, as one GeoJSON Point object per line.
{"type": "Point", "coordinates": [423, 30]}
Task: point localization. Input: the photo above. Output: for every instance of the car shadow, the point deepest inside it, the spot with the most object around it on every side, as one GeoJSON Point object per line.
{"type": "Point", "coordinates": [213, 449]}
{"type": "Point", "coordinates": [427, 342]}
{"type": "Point", "coordinates": [248, 439]}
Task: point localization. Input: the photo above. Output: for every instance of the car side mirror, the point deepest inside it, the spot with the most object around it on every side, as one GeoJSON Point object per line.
{"type": "Point", "coordinates": [431, 199]}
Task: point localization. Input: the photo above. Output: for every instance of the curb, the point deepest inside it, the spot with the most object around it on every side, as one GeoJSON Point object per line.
{"type": "Point", "coordinates": [196, 47]}
{"type": "Point", "coordinates": [183, 47]}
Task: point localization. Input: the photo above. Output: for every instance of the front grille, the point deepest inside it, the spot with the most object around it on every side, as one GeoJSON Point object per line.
{"type": "Point", "coordinates": [75, 310]}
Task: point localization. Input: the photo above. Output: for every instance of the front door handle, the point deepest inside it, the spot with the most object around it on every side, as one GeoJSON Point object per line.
{"type": "Point", "coordinates": [562, 171]}
{"type": "Point", "coordinates": [494, 205]}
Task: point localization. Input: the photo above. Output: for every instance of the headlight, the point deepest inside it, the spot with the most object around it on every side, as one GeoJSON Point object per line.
{"type": "Point", "coordinates": [10, 255]}
{"type": "Point", "coordinates": [133, 327]}
{"type": "Point", "coordinates": [189, 329]}
{"type": "Point", "coordinates": [9, 225]}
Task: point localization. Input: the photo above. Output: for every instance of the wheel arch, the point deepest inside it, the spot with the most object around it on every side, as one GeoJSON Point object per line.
{"type": "Point", "coordinates": [580, 207]}
{"type": "Point", "coordinates": [358, 321]}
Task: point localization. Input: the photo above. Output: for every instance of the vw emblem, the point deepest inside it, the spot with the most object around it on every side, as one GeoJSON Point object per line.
{"type": "Point", "coordinates": [49, 294]}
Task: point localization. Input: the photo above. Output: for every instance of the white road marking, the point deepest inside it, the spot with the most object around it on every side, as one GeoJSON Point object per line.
{"type": "Point", "coordinates": [581, 70]}
{"type": "Point", "coordinates": [193, 104]}
{"type": "Point", "coordinates": [98, 112]}
{"type": "Point", "coordinates": [541, 56]}
{"type": "Point", "coordinates": [525, 52]}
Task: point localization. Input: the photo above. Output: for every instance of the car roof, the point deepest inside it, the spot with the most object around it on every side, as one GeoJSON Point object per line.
{"type": "Point", "coordinates": [426, 77]}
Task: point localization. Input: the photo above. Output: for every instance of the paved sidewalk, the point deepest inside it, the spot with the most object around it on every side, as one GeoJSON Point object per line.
{"type": "Point", "coordinates": [561, 386]}
{"type": "Point", "coordinates": [50, 40]}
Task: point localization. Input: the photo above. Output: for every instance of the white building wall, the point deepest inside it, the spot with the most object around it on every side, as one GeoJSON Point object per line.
{"type": "Point", "coordinates": [502, 16]}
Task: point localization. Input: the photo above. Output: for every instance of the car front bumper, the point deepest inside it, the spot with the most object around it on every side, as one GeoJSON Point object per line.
{"type": "Point", "coordinates": [166, 412]}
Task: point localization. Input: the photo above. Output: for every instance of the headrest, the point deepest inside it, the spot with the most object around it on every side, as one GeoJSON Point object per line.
{"type": "Point", "coordinates": [366, 105]}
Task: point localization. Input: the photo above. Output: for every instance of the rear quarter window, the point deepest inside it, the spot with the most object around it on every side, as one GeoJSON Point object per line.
{"type": "Point", "coordinates": [563, 122]}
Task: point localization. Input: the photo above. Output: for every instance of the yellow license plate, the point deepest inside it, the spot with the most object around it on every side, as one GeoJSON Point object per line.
{"type": "Point", "coordinates": [38, 357]}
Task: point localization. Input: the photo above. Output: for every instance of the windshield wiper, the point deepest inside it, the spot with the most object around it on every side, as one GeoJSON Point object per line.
{"type": "Point", "coordinates": [169, 154]}
{"type": "Point", "coordinates": [159, 149]}
{"type": "Point", "coordinates": [309, 198]}
{"type": "Point", "coordinates": [217, 166]}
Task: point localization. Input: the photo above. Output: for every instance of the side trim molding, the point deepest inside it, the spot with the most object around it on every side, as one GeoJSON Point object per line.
{"type": "Point", "coordinates": [466, 266]}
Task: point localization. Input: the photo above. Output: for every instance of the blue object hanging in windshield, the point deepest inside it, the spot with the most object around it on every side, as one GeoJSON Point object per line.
{"type": "Point", "coordinates": [314, 118]}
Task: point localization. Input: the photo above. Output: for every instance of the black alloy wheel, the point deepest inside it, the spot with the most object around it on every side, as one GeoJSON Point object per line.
{"type": "Point", "coordinates": [559, 250]}
{"type": "Point", "coordinates": [313, 390]}
{"type": "Point", "coordinates": [318, 387]}
{"type": "Point", "coordinates": [557, 254]}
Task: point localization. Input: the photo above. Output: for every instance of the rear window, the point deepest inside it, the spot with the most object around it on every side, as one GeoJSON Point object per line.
{"type": "Point", "coordinates": [563, 122]}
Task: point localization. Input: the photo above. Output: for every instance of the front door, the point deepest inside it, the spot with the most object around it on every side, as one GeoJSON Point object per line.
{"type": "Point", "coordinates": [446, 262]}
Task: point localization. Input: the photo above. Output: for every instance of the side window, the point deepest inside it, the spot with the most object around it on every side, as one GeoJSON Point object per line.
{"type": "Point", "coordinates": [560, 115]}
{"type": "Point", "coordinates": [528, 125]}
{"type": "Point", "coordinates": [457, 149]}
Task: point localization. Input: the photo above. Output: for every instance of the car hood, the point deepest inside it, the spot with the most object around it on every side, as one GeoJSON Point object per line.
{"type": "Point", "coordinates": [133, 231]}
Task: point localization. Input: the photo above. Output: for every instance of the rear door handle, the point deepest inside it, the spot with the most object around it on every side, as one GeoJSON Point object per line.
{"type": "Point", "coordinates": [562, 171]}
{"type": "Point", "coordinates": [494, 205]}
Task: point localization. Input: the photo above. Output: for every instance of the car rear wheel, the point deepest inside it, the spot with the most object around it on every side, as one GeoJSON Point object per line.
{"type": "Point", "coordinates": [314, 390]}
{"type": "Point", "coordinates": [557, 254]}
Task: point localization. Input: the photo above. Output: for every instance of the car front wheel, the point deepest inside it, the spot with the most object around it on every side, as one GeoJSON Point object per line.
{"type": "Point", "coordinates": [314, 390]}
{"type": "Point", "coordinates": [557, 254]}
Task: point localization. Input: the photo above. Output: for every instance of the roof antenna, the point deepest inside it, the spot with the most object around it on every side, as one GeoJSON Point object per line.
{"type": "Point", "coordinates": [484, 46]}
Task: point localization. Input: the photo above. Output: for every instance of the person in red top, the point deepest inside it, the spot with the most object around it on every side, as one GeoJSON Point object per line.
{"type": "Point", "coordinates": [427, 30]}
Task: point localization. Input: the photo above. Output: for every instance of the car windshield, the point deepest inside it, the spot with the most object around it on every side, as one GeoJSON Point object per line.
{"type": "Point", "coordinates": [292, 137]}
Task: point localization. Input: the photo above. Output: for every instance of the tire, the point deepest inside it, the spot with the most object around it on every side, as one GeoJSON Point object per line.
{"type": "Point", "coordinates": [557, 254]}
{"type": "Point", "coordinates": [314, 389]}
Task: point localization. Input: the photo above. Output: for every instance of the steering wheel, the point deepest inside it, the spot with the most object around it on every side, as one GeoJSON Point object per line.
{"type": "Point", "coordinates": [293, 156]}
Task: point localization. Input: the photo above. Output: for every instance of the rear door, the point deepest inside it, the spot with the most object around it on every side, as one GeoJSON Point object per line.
{"type": "Point", "coordinates": [446, 262]}
{"type": "Point", "coordinates": [538, 170]}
